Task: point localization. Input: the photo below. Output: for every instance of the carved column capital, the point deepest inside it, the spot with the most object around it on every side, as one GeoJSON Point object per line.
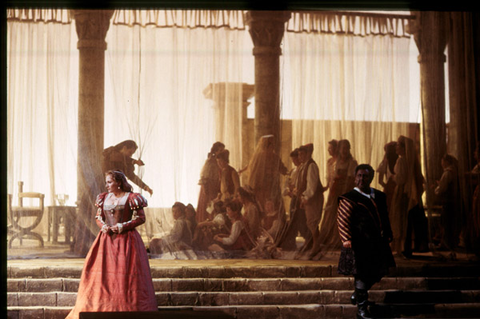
{"type": "Point", "coordinates": [267, 29]}
{"type": "Point", "coordinates": [429, 30]}
{"type": "Point", "coordinates": [92, 27]}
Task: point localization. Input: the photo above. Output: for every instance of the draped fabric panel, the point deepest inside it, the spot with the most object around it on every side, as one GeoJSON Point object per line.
{"type": "Point", "coordinates": [181, 18]}
{"type": "Point", "coordinates": [42, 99]}
{"type": "Point", "coordinates": [40, 15]}
{"type": "Point", "coordinates": [156, 79]}
{"type": "Point", "coordinates": [159, 66]}
{"type": "Point", "coordinates": [351, 23]}
{"type": "Point", "coordinates": [355, 88]}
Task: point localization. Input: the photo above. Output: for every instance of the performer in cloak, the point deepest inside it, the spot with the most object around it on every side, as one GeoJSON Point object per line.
{"type": "Point", "coordinates": [209, 183]}
{"type": "Point", "coordinates": [365, 233]}
{"type": "Point", "coordinates": [264, 170]}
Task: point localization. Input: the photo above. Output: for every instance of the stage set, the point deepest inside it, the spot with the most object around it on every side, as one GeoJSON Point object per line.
{"type": "Point", "coordinates": [214, 108]}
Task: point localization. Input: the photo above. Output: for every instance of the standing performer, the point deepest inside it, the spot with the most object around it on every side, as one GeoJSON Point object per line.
{"type": "Point", "coordinates": [310, 196]}
{"type": "Point", "coordinates": [119, 158]}
{"type": "Point", "coordinates": [116, 276]}
{"type": "Point", "coordinates": [209, 183]}
{"type": "Point", "coordinates": [365, 232]}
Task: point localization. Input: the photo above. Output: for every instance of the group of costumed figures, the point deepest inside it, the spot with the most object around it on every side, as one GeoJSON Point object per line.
{"type": "Point", "coordinates": [363, 223]}
{"type": "Point", "coordinates": [251, 220]}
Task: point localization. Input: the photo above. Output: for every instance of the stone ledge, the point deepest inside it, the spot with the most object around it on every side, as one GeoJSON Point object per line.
{"type": "Point", "coordinates": [192, 270]}
{"type": "Point", "coordinates": [256, 284]}
{"type": "Point", "coordinates": [324, 297]}
{"type": "Point", "coordinates": [308, 311]}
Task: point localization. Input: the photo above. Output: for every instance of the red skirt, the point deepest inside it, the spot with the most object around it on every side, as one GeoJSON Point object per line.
{"type": "Point", "coordinates": [116, 276]}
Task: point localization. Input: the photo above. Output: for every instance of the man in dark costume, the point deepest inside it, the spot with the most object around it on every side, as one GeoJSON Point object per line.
{"type": "Point", "coordinates": [365, 232]}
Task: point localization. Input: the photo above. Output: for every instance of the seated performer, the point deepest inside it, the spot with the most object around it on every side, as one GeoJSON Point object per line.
{"type": "Point", "coordinates": [238, 241]}
{"type": "Point", "coordinates": [251, 211]}
{"type": "Point", "coordinates": [206, 230]}
{"type": "Point", "coordinates": [273, 222]}
{"type": "Point", "coordinates": [229, 179]}
{"type": "Point", "coordinates": [180, 237]}
{"type": "Point", "coordinates": [191, 216]}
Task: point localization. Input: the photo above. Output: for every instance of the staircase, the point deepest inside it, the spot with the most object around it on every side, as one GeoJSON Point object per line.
{"type": "Point", "coordinates": [246, 289]}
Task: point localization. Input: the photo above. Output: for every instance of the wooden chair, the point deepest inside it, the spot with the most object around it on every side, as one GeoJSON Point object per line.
{"type": "Point", "coordinates": [21, 215]}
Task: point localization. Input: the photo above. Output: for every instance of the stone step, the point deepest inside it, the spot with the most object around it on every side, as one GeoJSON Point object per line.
{"type": "Point", "coordinates": [256, 284]}
{"type": "Point", "coordinates": [306, 311]}
{"type": "Point", "coordinates": [194, 298]}
{"type": "Point", "coordinates": [246, 271]}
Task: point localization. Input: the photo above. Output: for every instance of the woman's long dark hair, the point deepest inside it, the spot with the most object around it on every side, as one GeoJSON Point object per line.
{"type": "Point", "coordinates": [121, 179]}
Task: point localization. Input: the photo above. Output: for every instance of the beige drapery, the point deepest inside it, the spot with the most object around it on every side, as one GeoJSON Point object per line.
{"type": "Point", "coordinates": [356, 88]}
{"type": "Point", "coordinates": [135, 106]}
{"type": "Point", "coordinates": [155, 96]}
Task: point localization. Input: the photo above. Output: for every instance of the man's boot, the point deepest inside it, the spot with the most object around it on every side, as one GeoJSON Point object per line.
{"type": "Point", "coordinates": [362, 304]}
{"type": "Point", "coordinates": [353, 298]}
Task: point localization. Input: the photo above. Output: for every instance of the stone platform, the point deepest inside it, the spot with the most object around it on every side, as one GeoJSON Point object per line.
{"type": "Point", "coordinates": [422, 287]}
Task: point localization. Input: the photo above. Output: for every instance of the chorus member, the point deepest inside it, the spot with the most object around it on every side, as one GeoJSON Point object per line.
{"type": "Point", "coordinates": [229, 179]}
{"type": "Point", "coordinates": [310, 192]}
{"type": "Point", "coordinates": [331, 162]}
{"type": "Point", "coordinates": [238, 241]}
{"type": "Point", "coordinates": [119, 157]}
{"type": "Point", "coordinates": [209, 182]}
{"type": "Point", "coordinates": [447, 191]}
{"type": "Point", "coordinates": [386, 171]}
{"type": "Point", "coordinates": [407, 197]}
{"type": "Point", "coordinates": [251, 212]}
{"type": "Point", "coordinates": [341, 182]}
{"type": "Point", "coordinates": [297, 222]}
{"type": "Point", "coordinates": [264, 171]}
{"type": "Point", "coordinates": [180, 236]}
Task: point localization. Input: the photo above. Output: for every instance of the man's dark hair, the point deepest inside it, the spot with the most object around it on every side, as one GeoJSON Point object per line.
{"type": "Point", "coordinates": [365, 167]}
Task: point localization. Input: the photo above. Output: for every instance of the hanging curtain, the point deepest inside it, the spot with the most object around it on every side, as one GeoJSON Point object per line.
{"type": "Point", "coordinates": [42, 99]}
{"type": "Point", "coordinates": [349, 87]}
{"type": "Point", "coordinates": [155, 83]}
{"type": "Point", "coordinates": [164, 74]}
{"type": "Point", "coordinates": [342, 86]}
{"type": "Point", "coordinates": [463, 144]}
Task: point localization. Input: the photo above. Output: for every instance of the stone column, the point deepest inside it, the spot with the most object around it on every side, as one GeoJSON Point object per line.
{"type": "Point", "coordinates": [228, 97]}
{"type": "Point", "coordinates": [429, 30]}
{"type": "Point", "coordinates": [91, 27]}
{"type": "Point", "coordinates": [267, 29]}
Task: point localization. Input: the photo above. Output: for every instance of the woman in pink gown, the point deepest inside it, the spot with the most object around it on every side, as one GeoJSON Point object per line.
{"type": "Point", "coordinates": [116, 275]}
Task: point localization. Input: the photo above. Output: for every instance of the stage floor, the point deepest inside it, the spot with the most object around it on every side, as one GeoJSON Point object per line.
{"type": "Point", "coordinates": [59, 254]}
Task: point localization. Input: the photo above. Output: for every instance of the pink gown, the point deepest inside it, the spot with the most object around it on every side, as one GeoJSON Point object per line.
{"type": "Point", "coordinates": [116, 275]}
